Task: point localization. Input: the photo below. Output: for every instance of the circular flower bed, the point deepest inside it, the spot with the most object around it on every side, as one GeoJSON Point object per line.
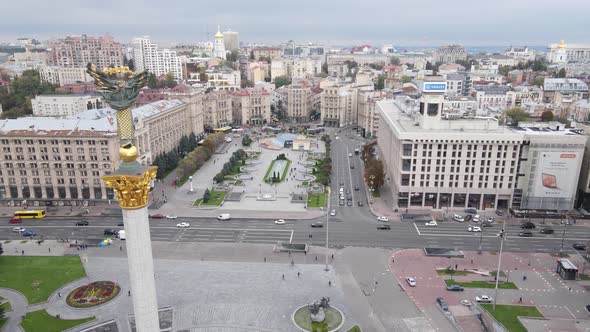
{"type": "Point", "coordinates": [93, 294]}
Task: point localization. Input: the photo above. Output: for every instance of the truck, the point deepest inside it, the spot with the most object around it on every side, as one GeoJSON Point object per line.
{"type": "Point", "coordinates": [121, 235]}
{"type": "Point", "coordinates": [224, 216]}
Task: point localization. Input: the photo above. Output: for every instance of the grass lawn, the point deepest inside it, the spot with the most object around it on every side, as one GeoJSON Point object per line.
{"type": "Point", "coordinates": [2, 322]}
{"type": "Point", "coordinates": [182, 180]}
{"type": "Point", "coordinates": [506, 314]}
{"type": "Point", "coordinates": [6, 306]}
{"type": "Point", "coordinates": [215, 199]}
{"type": "Point", "coordinates": [584, 276]}
{"type": "Point", "coordinates": [235, 170]}
{"type": "Point", "coordinates": [447, 272]}
{"type": "Point", "coordinates": [41, 321]}
{"type": "Point", "coordinates": [316, 200]}
{"type": "Point", "coordinates": [283, 176]}
{"type": "Point", "coordinates": [481, 284]}
{"type": "Point", "coordinates": [355, 328]}
{"type": "Point", "coordinates": [37, 277]}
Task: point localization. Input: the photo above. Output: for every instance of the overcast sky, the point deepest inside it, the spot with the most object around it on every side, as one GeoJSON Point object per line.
{"type": "Point", "coordinates": [341, 22]}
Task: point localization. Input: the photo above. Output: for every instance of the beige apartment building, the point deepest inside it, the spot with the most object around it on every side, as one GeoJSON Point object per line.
{"type": "Point", "coordinates": [267, 52]}
{"type": "Point", "coordinates": [217, 108]}
{"type": "Point", "coordinates": [368, 117]}
{"type": "Point", "coordinates": [251, 107]}
{"type": "Point", "coordinates": [48, 159]}
{"type": "Point", "coordinates": [63, 76]}
{"type": "Point", "coordinates": [78, 51]}
{"type": "Point", "coordinates": [301, 97]}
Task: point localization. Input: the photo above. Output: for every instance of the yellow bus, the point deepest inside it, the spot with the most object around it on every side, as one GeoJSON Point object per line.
{"type": "Point", "coordinates": [30, 214]}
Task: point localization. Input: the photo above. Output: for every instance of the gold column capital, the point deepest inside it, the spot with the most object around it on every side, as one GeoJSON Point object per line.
{"type": "Point", "coordinates": [132, 190]}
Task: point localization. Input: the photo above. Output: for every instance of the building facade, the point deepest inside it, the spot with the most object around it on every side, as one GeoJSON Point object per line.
{"type": "Point", "coordinates": [251, 107]}
{"type": "Point", "coordinates": [217, 109]}
{"type": "Point", "coordinates": [225, 78]}
{"type": "Point", "coordinates": [562, 52]}
{"type": "Point", "coordinates": [295, 68]}
{"type": "Point", "coordinates": [450, 54]}
{"type": "Point", "coordinates": [64, 75]}
{"type": "Point", "coordinates": [219, 46]}
{"type": "Point", "coordinates": [148, 56]}
{"type": "Point", "coordinates": [266, 52]}
{"type": "Point", "coordinates": [65, 105]}
{"type": "Point", "coordinates": [491, 96]}
{"type": "Point", "coordinates": [231, 40]}
{"type": "Point", "coordinates": [301, 98]}
{"type": "Point", "coordinates": [78, 51]}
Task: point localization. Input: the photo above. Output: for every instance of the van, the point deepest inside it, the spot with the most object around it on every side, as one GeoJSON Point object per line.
{"type": "Point", "coordinates": [122, 234]}
{"type": "Point", "coordinates": [224, 216]}
{"type": "Point", "coordinates": [341, 190]}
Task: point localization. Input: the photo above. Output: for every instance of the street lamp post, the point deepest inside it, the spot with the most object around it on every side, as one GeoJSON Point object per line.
{"type": "Point", "coordinates": [190, 178]}
{"type": "Point", "coordinates": [327, 228]}
{"type": "Point", "coordinates": [502, 235]}
{"type": "Point", "coordinates": [563, 236]}
{"type": "Point", "coordinates": [480, 240]}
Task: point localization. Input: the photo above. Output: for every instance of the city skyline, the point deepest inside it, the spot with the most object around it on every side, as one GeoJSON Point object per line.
{"type": "Point", "coordinates": [327, 22]}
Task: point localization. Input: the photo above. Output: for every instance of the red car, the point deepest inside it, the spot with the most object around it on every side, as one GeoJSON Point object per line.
{"type": "Point", "coordinates": [157, 216]}
{"type": "Point", "coordinates": [15, 220]}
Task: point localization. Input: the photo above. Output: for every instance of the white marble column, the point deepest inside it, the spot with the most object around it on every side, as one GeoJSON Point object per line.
{"type": "Point", "coordinates": [141, 269]}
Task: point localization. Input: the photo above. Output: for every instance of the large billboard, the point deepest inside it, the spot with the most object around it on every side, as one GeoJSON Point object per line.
{"type": "Point", "coordinates": [434, 87]}
{"type": "Point", "coordinates": [556, 175]}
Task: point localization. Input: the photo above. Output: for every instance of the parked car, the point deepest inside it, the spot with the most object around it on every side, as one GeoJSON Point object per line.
{"type": "Point", "coordinates": [19, 229]}
{"type": "Point", "coordinates": [357, 188]}
{"type": "Point", "coordinates": [317, 224]}
{"type": "Point", "coordinates": [500, 212]}
{"type": "Point", "coordinates": [280, 222]}
{"type": "Point", "coordinates": [82, 223]}
{"type": "Point", "coordinates": [350, 155]}
{"type": "Point", "coordinates": [333, 212]}
{"type": "Point", "coordinates": [526, 234]}
{"type": "Point", "coordinates": [383, 219]}
{"type": "Point", "coordinates": [471, 210]}
{"type": "Point", "coordinates": [111, 231]}
{"type": "Point", "coordinates": [474, 229]}
{"type": "Point", "coordinates": [341, 201]}
{"type": "Point", "coordinates": [411, 281]}
{"type": "Point", "coordinates": [579, 246]}
{"type": "Point", "coordinates": [487, 224]}
{"type": "Point", "coordinates": [455, 288]}
{"type": "Point", "coordinates": [383, 227]}
{"type": "Point", "coordinates": [431, 223]}
{"type": "Point", "coordinates": [476, 218]}
{"type": "Point", "coordinates": [528, 225]}
{"type": "Point", "coordinates": [547, 230]}
{"type": "Point", "coordinates": [468, 217]}
{"type": "Point", "coordinates": [157, 216]}
{"type": "Point", "coordinates": [171, 216]}
{"type": "Point", "coordinates": [351, 166]}
{"type": "Point", "coordinates": [442, 303]}
{"type": "Point", "coordinates": [224, 216]}
{"type": "Point", "coordinates": [458, 218]}
{"type": "Point", "coordinates": [183, 225]}
{"type": "Point", "coordinates": [490, 219]}
{"type": "Point", "coordinates": [15, 220]}
{"type": "Point", "coordinates": [120, 223]}
{"type": "Point", "coordinates": [349, 202]}
{"type": "Point", "coordinates": [28, 233]}
{"type": "Point", "coordinates": [360, 203]}
{"type": "Point", "coordinates": [466, 303]}
{"type": "Point", "coordinates": [483, 299]}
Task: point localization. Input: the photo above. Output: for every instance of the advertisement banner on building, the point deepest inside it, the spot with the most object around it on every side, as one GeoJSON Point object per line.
{"type": "Point", "coordinates": [556, 174]}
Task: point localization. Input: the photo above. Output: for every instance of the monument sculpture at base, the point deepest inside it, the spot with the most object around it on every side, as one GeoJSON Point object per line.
{"type": "Point", "coordinates": [318, 309]}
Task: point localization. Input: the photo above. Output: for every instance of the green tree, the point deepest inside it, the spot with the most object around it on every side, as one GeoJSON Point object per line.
{"type": "Point", "coordinates": [406, 79]}
{"type": "Point", "coordinates": [351, 64]}
{"type": "Point", "coordinates": [503, 70]}
{"type": "Point", "coordinates": [375, 173]}
{"type": "Point", "coordinates": [538, 65]}
{"type": "Point", "coordinates": [325, 67]}
{"type": "Point", "coordinates": [380, 83]}
{"type": "Point", "coordinates": [152, 82]}
{"type": "Point", "coordinates": [547, 116]}
{"type": "Point", "coordinates": [206, 196]}
{"type": "Point", "coordinates": [233, 56]}
{"type": "Point", "coordinates": [516, 115]}
{"type": "Point", "coordinates": [539, 81]}
{"type": "Point", "coordinates": [281, 81]}
{"type": "Point", "coordinates": [169, 81]}
{"type": "Point", "coordinates": [246, 140]}
{"type": "Point", "coordinates": [561, 73]}
{"type": "Point", "coordinates": [394, 61]}
{"type": "Point", "coordinates": [252, 55]}
{"type": "Point", "coordinates": [219, 177]}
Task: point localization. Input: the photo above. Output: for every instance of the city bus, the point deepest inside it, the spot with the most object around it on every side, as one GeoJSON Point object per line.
{"type": "Point", "coordinates": [30, 214]}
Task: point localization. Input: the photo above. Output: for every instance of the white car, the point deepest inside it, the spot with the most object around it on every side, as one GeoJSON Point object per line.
{"type": "Point", "coordinates": [333, 212]}
{"type": "Point", "coordinates": [279, 222]}
{"type": "Point", "coordinates": [19, 229]}
{"type": "Point", "coordinates": [171, 216]}
{"type": "Point", "coordinates": [490, 219]}
{"type": "Point", "coordinates": [350, 155]}
{"type": "Point", "coordinates": [483, 299]}
{"type": "Point", "coordinates": [476, 218]}
{"type": "Point", "coordinates": [458, 218]}
{"type": "Point", "coordinates": [474, 229]}
{"type": "Point", "coordinates": [411, 281]}
{"type": "Point", "coordinates": [431, 223]}
{"type": "Point", "coordinates": [183, 225]}
{"type": "Point", "coordinates": [336, 137]}
{"type": "Point", "coordinates": [383, 219]}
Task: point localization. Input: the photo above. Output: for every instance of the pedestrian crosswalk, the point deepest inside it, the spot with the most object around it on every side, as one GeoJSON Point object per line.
{"type": "Point", "coordinates": [221, 235]}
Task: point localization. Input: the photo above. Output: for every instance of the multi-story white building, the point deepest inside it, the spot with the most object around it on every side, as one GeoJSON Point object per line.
{"type": "Point", "coordinates": [65, 105]}
{"type": "Point", "coordinates": [564, 86]}
{"type": "Point", "coordinates": [463, 105]}
{"type": "Point", "coordinates": [457, 163]}
{"type": "Point", "coordinates": [219, 45]}
{"type": "Point", "coordinates": [368, 117]}
{"type": "Point", "coordinates": [64, 75]}
{"type": "Point", "coordinates": [523, 94]}
{"type": "Point", "coordinates": [295, 68]}
{"type": "Point", "coordinates": [222, 78]}
{"type": "Point", "coordinates": [450, 54]}
{"type": "Point", "coordinates": [360, 59]}
{"type": "Point", "coordinates": [491, 96]}
{"type": "Point", "coordinates": [148, 56]}
{"type": "Point", "coordinates": [562, 52]}
{"type": "Point", "coordinates": [257, 71]}
{"type": "Point", "coordinates": [457, 84]}
{"type": "Point", "coordinates": [520, 54]}
{"type": "Point", "coordinates": [78, 51]}
{"type": "Point", "coordinates": [339, 104]}
{"type": "Point", "coordinates": [251, 107]}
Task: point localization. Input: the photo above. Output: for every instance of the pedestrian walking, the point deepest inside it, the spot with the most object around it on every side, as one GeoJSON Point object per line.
{"type": "Point", "coordinates": [49, 249]}
{"type": "Point", "coordinates": [120, 248]}
{"type": "Point", "coordinates": [330, 283]}
{"type": "Point", "coordinates": [265, 259]}
{"type": "Point", "coordinates": [570, 289]}
{"type": "Point", "coordinates": [472, 261]}
{"type": "Point", "coordinates": [332, 256]}
{"type": "Point", "coordinates": [316, 258]}
{"type": "Point", "coordinates": [128, 293]}
{"type": "Point", "coordinates": [520, 300]}
{"type": "Point", "coordinates": [292, 262]}
{"type": "Point", "coordinates": [23, 253]}
{"type": "Point", "coordinates": [58, 294]}
{"type": "Point", "coordinates": [456, 266]}
{"type": "Point", "coordinates": [283, 277]}
{"type": "Point", "coordinates": [298, 274]}
{"type": "Point", "coordinates": [393, 259]}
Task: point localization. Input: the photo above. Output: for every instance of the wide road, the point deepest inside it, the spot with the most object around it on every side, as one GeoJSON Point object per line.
{"type": "Point", "coordinates": [342, 232]}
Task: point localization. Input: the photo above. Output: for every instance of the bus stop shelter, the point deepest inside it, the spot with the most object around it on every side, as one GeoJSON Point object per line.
{"type": "Point", "coordinates": [566, 269]}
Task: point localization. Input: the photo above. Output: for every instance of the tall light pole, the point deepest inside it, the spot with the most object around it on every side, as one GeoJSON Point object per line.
{"type": "Point", "coordinates": [327, 227]}
{"type": "Point", "coordinates": [480, 240]}
{"type": "Point", "coordinates": [563, 235]}
{"type": "Point", "coordinates": [502, 235]}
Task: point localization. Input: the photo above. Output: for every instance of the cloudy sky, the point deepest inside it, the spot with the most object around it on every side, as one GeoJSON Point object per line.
{"type": "Point", "coordinates": [341, 22]}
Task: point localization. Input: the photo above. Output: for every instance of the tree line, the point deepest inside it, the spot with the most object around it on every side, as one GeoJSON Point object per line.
{"type": "Point", "coordinates": [16, 96]}
{"type": "Point", "coordinates": [237, 159]}
{"type": "Point", "coordinates": [374, 170]}
{"type": "Point", "coordinates": [197, 157]}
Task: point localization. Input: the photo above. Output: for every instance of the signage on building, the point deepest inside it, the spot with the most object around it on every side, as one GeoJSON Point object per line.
{"type": "Point", "coordinates": [434, 87]}
{"type": "Point", "coordinates": [555, 174]}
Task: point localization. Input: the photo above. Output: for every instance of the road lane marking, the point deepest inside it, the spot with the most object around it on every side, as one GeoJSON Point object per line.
{"type": "Point", "coordinates": [417, 230]}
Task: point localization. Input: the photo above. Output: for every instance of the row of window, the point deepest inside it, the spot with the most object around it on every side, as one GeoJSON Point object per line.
{"type": "Point", "coordinates": [55, 166]}
{"type": "Point", "coordinates": [25, 181]}
{"type": "Point", "coordinates": [54, 142]}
